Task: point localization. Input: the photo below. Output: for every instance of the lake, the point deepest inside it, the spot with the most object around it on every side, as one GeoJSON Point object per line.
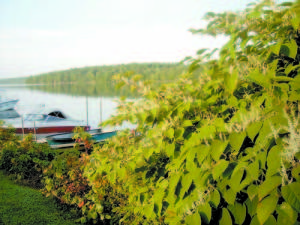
{"type": "Point", "coordinates": [70, 99]}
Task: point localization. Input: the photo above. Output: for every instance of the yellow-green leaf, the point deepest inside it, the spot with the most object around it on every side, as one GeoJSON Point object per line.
{"type": "Point", "coordinates": [193, 219]}
{"type": "Point", "coordinates": [286, 214]}
{"type": "Point", "coordinates": [226, 219]}
{"type": "Point", "coordinates": [291, 194]}
{"type": "Point", "coordinates": [266, 207]}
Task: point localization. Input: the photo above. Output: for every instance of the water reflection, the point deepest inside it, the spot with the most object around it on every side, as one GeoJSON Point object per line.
{"type": "Point", "coordinates": [94, 90]}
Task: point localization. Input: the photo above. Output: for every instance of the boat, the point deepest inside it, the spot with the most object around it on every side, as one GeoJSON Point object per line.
{"type": "Point", "coordinates": [9, 114]}
{"type": "Point", "coordinates": [45, 123]}
{"type": "Point", "coordinates": [65, 140]}
{"type": "Point", "coordinates": [7, 103]}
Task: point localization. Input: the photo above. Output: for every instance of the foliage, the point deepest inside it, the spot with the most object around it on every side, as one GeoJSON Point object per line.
{"type": "Point", "coordinates": [218, 148]}
{"type": "Point", "coordinates": [103, 74]}
{"type": "Point", "coordinates": [222, 148]}
{"type": "Point", "coordinates": [104, 89]}
{"type": "Point", "coordinates": [18, 80]}
{"type": "Point", "coordinates": [23, 159]}
{"type": "Point", "coordinates": [63, 178]}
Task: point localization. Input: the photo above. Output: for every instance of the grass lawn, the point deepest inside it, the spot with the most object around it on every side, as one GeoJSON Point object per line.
{"type": "Point", "coordinates": [20, 205]}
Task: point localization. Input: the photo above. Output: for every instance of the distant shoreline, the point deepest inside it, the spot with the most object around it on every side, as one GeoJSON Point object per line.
{"type": "Point", "coordinates": [38, 84]}
{"type": "Point", "coordinates": [20, 85]}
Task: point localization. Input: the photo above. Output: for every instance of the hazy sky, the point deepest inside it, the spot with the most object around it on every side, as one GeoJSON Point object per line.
{"type": "Point", "coordinates": [45, 35]}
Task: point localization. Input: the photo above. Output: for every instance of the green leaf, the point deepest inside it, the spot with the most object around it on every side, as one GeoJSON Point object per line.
{"type": "Point", "coordinates": [186, 183]}
{"type": "Point", "coordinates": [295, 22]}
{"type": "Point", "coordinates": [231, 81]}
{"type": "Point", "coordinates": [219, 168]}
{"type": "Point", "coordinates": [273, 160]}
{"type": "Point", "coordinates": [266, 207]}
{"type": "Point", "coordinates": [286, 215]}
{"type": "Point", "coordinates": [170, 148]}
{"type": "Point", "coordinates": [290, 49]}
{"type": "Point", "coordinates": [106, 217]}
{"type": "Point", "coordinates": [235, 179]}
{"type": "Point", "coordinates": [190, 164]}
{"type": "Point", "coordinates": [276, 48]}
{"type": "Point", "coordinates": [291, 194]}
{"type": "Point", "coordinates": [252, 191]}
{"type": "Point", "coordinates": [255, 76]}
{"type": "Point", "coordinates": [193, 219]}
{"type": "Point", "coordinates": [217, 148]}
{"type": "Point", "coordinates": [268, 186]}
{"type": "Point", "coordinates": [252, 205]}
{"type": "Point", "coordinates": [205, 212]}
{"type": "Point", "coordinates": [175, 178]}
{"type": "Point", "coordinates": [201, 51]}
{"type": "Point", "coordinates": [202, 153]}
{"type": "Point", "coordinates": [178, 132]}
{"type": "Point", "coordinates": [215, 198]}
{"type": "Point", "coordinates": [236, 140]}
{"type": "Point", "coordinates": [83, 220]}
{"type": "Point", "coordinates": [290, 68]}
{"type": "Point", "coordinates": [293, 96]}
{"type": "Point", "coordinates": [187, 123]}
{"type": "Point", "coordinates": [226, 219]}
{"type": "Point", "coordinates": [229, 196]}
{"type": "Point", "coordinates": [253, 129]}
{"type": "Point", "coordinates": [253, 169]}
{"type": "Point", "coordinates": [170, 133]}
{"type": "Point", "coordinates": [271, 221]}
{"type": "Point", "coordinates": [296, 172]}
{"type": "Point", "coordinates": [207, 131]}
{"type": "Point", "coordinates": [238, 211]}
{"type": "Point", "coordinates": [255, 221]}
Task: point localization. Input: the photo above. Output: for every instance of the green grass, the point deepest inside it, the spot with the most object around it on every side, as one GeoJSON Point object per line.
{"type": "Point", "coordinates": [20, 205]}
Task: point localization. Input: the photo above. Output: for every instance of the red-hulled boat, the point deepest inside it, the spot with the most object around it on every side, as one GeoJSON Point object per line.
{"type": "Point", "coordinates": [46, 123]}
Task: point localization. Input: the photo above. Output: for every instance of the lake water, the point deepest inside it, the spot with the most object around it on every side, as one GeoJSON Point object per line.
{"type": "Point", "coordinates": [34, 99]}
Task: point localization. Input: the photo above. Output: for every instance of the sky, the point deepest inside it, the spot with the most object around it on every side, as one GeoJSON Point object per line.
{"type": "Point", "coordinates": [38, 36]}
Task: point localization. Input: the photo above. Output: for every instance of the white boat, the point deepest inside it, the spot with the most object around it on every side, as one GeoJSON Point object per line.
{"type": "Point", "coordinates": [7, 103]}
{"type": "Point", "coordinates": [9, 114]}
{"type": "Point", "coordinates": [46, 123]}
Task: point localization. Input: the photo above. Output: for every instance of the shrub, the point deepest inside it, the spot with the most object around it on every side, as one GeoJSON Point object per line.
{"type": "Point", "coordinates": [24, 159]}
{"type": "Point", "coordinates": [227, 143]}
{"type": "Point", "coordinates": [63, 178]}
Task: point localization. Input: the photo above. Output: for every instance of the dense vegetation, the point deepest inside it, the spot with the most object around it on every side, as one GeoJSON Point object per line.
{"type": "Point", "coordinates": [222, 148]}
{"type": "Point", "coordinates": [103, 74]}
{"type": "Point", "coordinates": [219, 148]}
{"type": "Point", "coordinates": [104, 89]}
{"type": "Point", "coordinates": [18, 80]}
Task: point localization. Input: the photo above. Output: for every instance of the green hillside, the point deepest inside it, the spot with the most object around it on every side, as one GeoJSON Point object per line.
{"type": "Point", "coordinates": [18, 80]}
{"type": "Point", "coordinates": [96, 74]}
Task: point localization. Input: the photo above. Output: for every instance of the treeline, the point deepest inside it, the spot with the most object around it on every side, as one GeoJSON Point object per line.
{"type": "Point", "coordinates": [106, 89]}
{"type": "Point", "coordinates": [18, 80]}
{"type": "Point", "coordinates": [99, 74]}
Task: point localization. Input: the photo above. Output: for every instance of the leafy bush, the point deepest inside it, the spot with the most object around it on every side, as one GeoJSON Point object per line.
{"type": "Point", "coordinates": [63, 178]}
{"type": "Point", "coordinates": [225, 145]}
{"type": "Point", "coordinates": [23, 159]}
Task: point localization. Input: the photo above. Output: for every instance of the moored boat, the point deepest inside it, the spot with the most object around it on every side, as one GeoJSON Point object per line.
{"type": "Point", "coordinates": [7, 103]}
{"type": "Point", "coordinates": [66, 139]}
{"type": "Point", "coordinates": [46, 123]}
{"type": "Point", "coordinates": [9, 114]}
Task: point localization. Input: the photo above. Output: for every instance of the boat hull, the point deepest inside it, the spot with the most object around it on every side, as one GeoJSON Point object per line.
{"type": "Point", "coordinates": [7, 105]}
{"type": "Point", "coordinates": [68, 137]}
{"type": "Point", "coordinates": [9, 114]}
{"type": "Point", "coordinates": [55, 142]}
{"type": "Point", "coordinates": [48, 130]}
